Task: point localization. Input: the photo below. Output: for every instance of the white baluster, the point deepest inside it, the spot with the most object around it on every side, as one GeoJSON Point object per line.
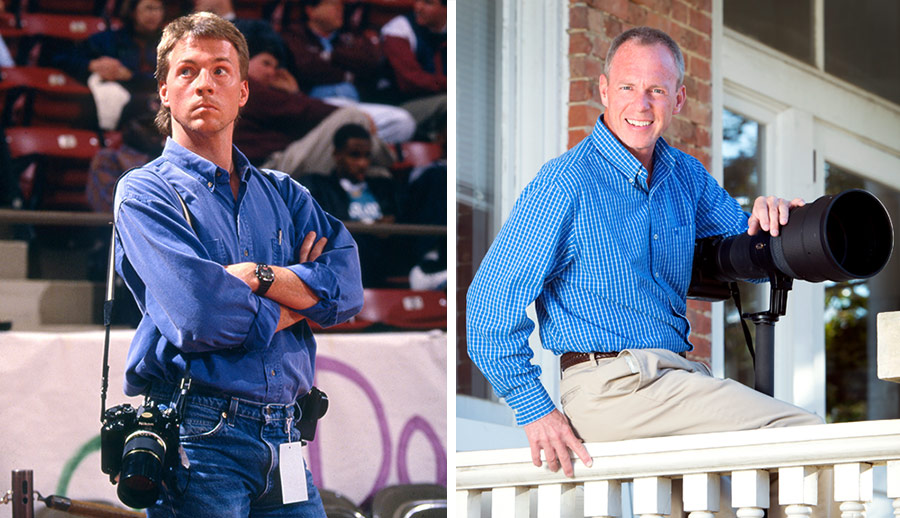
{"type": "Point", "coordinates": [750, 492]}
{"type": "Point", "coordinates": [509, 502]}
{"type": "Point", "coordinates": [468, 504]}
{"type": "Point", "coordinates": [603, 499]}
{"type": "Point", "coordinates": [798, 489]}
{"type": "Point", "coordinates": [556, 500]}
{"type": "Point", "coordinates": [853, 510]}
{"type": "Point", "coordinates": [853, 487]}
{"type": "Point", "coordinates": [652, 497]}
{"type": "Point", "coordinates": [701, 494]}
{"type": "Point", "coordinates": [893, 484]}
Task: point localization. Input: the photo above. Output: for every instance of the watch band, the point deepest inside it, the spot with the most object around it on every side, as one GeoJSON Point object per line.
{"type": "Point", "coordinates": [266, 277]}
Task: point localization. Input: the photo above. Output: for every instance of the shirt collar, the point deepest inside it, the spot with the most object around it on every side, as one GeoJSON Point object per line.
{"type": "Point", "coordinates": [204, 169]}
{"type": "Point", "coordinates": [622, 159]}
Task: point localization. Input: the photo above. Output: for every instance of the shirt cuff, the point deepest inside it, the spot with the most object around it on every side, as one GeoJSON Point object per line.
{"type": "Point", "coordinates": [530, 404]}
{"type": "Point", "coordinates": [323, 283]}
{"type": "Point", "coordinates": [264, 325]}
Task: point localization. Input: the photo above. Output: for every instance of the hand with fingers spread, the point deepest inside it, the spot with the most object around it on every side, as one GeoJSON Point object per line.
{"type": "Point", "coordinates": [553, 434]}
{"type": "Point", "coordinates": [771, 213]}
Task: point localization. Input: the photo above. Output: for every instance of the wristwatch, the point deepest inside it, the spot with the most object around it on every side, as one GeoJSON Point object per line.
{"type": "Point", "coordinates": [266, 277]}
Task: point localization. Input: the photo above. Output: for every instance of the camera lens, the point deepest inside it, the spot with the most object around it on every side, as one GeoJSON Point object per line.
{"type": "Point", "coordinates": [142, 466]}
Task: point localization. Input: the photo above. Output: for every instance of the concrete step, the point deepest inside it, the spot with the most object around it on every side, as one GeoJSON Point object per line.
{"type": "Point", "coordinates": [13, 259]}
{"type": "Point", "coordinates": [33, 304]}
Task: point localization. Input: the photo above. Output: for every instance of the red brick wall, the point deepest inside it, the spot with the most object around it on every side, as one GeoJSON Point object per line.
{"type": "Point", "coordinates": [592, 26]}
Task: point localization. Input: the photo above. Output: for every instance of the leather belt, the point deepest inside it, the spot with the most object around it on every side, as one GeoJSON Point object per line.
{"type": "Point", "coordinates": [571, 359]}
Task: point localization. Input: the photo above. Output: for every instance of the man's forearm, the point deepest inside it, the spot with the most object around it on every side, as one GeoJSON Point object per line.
{"type": "Point", "coordinates": [287, 289]}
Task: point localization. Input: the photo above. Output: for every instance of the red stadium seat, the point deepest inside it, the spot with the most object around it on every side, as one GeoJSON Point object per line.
{"type": "Point", "coordinates": [401, 309]}
{"type": "Point", "coordinates": [405, 309]}
{"type": "Point", "coordinates": [80, 7]}
{"type": "Point", "coordinates": [62, 26]}
{"type": "Point", "coordinates": [40, 96]}
{"type": "Point", "coordinates": [57, 177]}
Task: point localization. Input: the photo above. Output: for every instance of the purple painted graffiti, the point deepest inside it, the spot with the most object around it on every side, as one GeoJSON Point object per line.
{"type": "Point", "coordinates": [338, 367]}
{"type": "Point", "coordinates": [440, 456]}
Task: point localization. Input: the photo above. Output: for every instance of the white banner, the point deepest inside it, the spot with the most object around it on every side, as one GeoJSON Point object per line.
{"type": "Point", "coordinates": [386, 421]}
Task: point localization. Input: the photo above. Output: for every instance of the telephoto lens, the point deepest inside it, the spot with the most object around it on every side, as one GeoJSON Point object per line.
{"type": "Point", "coordinates": [835, 238]}
{"type": "Point", "coordinates": [143, 460]}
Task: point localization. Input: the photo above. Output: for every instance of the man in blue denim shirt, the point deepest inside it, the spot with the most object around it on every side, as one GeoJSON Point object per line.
{"type": "Point", "coordinates": [229, 290]}
{"type": "Point", "coordinates": [601, 241]}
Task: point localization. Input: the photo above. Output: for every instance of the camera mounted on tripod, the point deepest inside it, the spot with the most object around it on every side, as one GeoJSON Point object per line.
{"type": "Point", "coordinates": [836, 238]}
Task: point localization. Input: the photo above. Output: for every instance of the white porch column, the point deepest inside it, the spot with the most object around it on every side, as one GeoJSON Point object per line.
{"type": "Point", "coordinates": [603, 499]}
{"type": "Point", "coordinates": [556, 500]}
{"type": "Point", "coordinates": [853, 487]}
{"type": "Point", "coordinates": [468, 504]}
{"type": "Point", "coordinates": [509, 502]}
{"type": "Point", "coordinates": [798, 489]}
{"type": "Point", "coordinates": [701, 494]}
{"type": "Point", "coordinates": [750, 492]}
{"type": "Point", "coordinates": [652, 497]}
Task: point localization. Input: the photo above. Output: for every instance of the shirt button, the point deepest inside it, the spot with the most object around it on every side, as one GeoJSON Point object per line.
{"type": "Point", "coordinates": [246, 252]}
{"type": "Point", "coordinates": [631, 180]}
{"type": "Point", "coordinates": [273, 372]}
{"type": "Point", "coordinates": [209, 184]}
{"type": "Point", "coordinates": [655, 236]}
{"type": "Point", "coordinates": [656, 274]}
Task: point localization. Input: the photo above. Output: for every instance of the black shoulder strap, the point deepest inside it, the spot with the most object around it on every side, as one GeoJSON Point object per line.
{"type": "Point", "coordinates": [110, 291]}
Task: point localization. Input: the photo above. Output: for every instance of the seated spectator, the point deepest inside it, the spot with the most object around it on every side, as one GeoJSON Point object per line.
{"type": "Point", "coordinates": [141, 141]}
{"type": "Point", "coordinates": [425, 203]}
{"type": "Point", "coordinates": [280, 127]}
{"type": "Point", "coordinates": [329, 59]}
{"type": "Point", "coordinates": [350, 195]}
{"type": "Point", "coordinates": [118, 63]}
{"type": "Point", "coordinates": [416, 50]}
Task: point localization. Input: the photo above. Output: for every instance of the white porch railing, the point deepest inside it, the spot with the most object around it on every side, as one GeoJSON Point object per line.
{"type": "Point", "coordinates": [750, 457]}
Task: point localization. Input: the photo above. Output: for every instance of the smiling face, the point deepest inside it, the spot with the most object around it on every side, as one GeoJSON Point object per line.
{"type": "Point", "coordinates": [641, 95]}
{"type": "Point", "coordinates": [203, 87]}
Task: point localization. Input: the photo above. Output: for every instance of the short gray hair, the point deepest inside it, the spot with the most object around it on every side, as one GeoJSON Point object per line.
{"type": "Point", "coordinates": [647, 36]}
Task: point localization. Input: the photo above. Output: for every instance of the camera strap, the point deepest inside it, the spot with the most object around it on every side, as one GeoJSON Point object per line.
{"type": "Point", "coordinates": [736, 296]}
{"type": "Point", "coordinates": [109, 301]}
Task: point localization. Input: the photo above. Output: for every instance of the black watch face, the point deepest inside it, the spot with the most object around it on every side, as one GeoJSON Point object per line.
{"type": "Point", "coordinates": [265, 273]}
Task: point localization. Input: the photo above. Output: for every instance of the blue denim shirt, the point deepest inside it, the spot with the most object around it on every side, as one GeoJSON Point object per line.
{"type": "Point", "coordinates": [605, 258]}
{"type": "Point", "coordinates": [193, 308]}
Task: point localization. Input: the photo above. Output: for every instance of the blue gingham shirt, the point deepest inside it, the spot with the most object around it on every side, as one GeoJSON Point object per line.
{"type": "Point", "coordinates": [193, 308]}
{"type": "Point", "coordinates": [606, 260]}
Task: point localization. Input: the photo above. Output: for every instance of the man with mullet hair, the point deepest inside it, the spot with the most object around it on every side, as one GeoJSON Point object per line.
{"type": "Point", "coordinates": [226, 287]}
{"type": "Point", "coordinates": [602, 242]}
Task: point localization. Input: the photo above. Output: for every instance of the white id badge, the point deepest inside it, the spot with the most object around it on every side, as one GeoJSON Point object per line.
{"type": "Point", "coordinates": [292, 467]}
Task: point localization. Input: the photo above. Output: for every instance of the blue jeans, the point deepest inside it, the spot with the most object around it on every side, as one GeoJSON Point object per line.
{"type": "Point", "coordinates": [232, 446]}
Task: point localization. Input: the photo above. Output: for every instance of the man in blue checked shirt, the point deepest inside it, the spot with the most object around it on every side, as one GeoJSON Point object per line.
{"type": "Point", "coordinates": [227, 288]}
{"type": "Point", "coordinates": [602, 242]}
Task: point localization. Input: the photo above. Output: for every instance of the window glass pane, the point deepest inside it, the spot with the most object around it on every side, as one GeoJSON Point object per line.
{"type": "Point", "coordinates": [853, 390]}
{"type": "Point", "coordinates": [477, 79]}
{"type": "Point", "coordinates": [862, 44]}
{"type": "Point", "coordinates": [742, 160]}
{"type": "Point", "coordinates": [785, 25]}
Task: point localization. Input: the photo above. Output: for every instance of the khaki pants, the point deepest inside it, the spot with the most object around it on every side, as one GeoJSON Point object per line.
{"type": "Point", "coordinates": [655, 392]}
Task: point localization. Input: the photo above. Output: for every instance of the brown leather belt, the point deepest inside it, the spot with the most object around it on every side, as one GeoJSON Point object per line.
{"type": "Point", "coordinates": [571, 359]}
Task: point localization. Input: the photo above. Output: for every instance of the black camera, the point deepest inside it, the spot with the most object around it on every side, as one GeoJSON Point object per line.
{"type": "Point", "coordinates": [836, 238]}
{"type": "Point", "coordinates": [138, 447]}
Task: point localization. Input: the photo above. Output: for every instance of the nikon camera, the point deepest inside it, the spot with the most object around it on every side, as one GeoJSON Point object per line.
{"type": "Point", "coordinates": [138, 447]}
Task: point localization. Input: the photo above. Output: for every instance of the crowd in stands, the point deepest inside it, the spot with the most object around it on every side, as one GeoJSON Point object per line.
{"type": "Point", "coordinates": [340, 89]}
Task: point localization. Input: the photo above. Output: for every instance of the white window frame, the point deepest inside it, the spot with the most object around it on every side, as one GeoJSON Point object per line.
{"type": "Point", "coordinates": [533, 129]}
{"type": "Point", "coordinates": [807, 114]}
